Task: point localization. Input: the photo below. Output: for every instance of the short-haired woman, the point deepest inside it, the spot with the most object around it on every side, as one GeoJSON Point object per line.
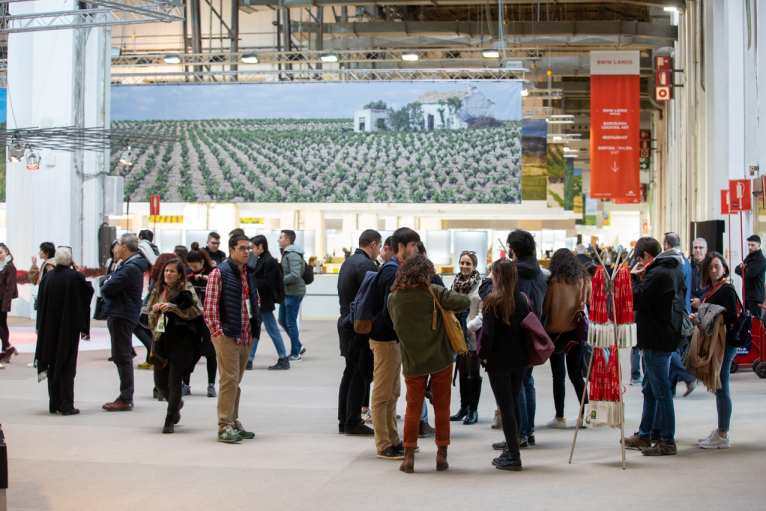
{"type": "Point", "coordinates": [504, 350]}
{"type": "Point", "coordinates": [715, 276]}
{"type": "Point", "coordinates": [173, 308]}
{"type": "Point", "coordinates": [467, 282]}
{"type": "Point", "coordinates": [426, 351]}
{"type": "Point", "coordinates": [8, 291]}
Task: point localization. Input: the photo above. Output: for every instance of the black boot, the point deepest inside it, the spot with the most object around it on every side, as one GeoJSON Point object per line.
{"type": "Point", "coordinates": [282, 364]}
{"type": "Point", "coordinates": [460, 415]}
{"type": "Point", "coordinates": [508, 461]}
{"type": "Point", "coordinates": [471, 418]}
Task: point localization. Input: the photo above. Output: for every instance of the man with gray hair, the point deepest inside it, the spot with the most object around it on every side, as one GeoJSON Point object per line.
{"type": "Point", "coordinates": [122, 300]}
{"type": "Point", "coordinates": [63, 316]}
{"type": "Point", "coordinates": [699, 251]}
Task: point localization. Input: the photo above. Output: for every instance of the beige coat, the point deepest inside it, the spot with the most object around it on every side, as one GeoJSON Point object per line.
{"type": "Point", "coordinates": [708, 346]}
{"type": "Point", "coordinates": [562, 302]}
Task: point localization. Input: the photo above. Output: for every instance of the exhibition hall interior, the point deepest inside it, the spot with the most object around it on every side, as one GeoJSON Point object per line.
{"type": "Point", "coordinates": [382, 254]}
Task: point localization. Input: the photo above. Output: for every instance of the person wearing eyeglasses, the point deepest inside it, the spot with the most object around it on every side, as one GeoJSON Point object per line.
{"type": "Point", "coordinates": [213, 248]}
{"type": "Point", "coordinates": [699, 251]}
{"type": "Point", "coordinates": [230, 301]}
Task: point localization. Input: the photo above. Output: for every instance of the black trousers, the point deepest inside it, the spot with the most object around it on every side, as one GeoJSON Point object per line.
{"type": "Point", "coordinates": [61, 384]}
{"type": "Point", "coordinates": [145, 336]}
{"type": "Point", "coordinates": [121, 334]}
{"type": "Point", "coordinates": [168, 381]}
{"type": "Point", "coordinates": [355, 382]}
{"type": "Point", "coordinates": [207, 350]}
{"type": "Point", "coordinates": [468, 369]}
{"type": "Point", "coordinates": [5, 334]}
{"type": "Point", "coordinates": [561, 364]}
{"type": "Point", "coordinates": [506, 385]}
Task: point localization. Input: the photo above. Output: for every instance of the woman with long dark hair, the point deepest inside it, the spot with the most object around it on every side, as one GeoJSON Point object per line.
{"type": "Point", "coordinates": [426, 351]}
{"type": "Point", "coordinates": [715, 276]}
{"type": "Point", "coordinates": [565, 300]}
{"type": "Point", "coordinates": [504, 350]}
{"type": "Point", "coordinates": [200, 265]}
{"type": "Point", "coordinates": [467, 282]}
{"type": "Point", "coordinates": [8, 291]}
{"type": "Point", "coordinates": [173, 308]}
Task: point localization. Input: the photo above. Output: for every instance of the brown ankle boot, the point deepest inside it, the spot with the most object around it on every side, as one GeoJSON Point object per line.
{"type": "Point", "coordinates": [408, 465]}
{"type": "Point", "coordinates": [441, 459]}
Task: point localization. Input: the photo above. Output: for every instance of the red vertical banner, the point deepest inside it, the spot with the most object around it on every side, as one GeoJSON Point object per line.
{"type": "Point", "coordinates": [154, 205]}
{"type": "Point", "coordinates": [615, 105]}
{"type": "Point", "coordinates": [725, 202]}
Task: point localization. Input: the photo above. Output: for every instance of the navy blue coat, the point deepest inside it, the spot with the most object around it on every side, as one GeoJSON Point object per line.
{"type": "Point", "coordinates": [122, 289]}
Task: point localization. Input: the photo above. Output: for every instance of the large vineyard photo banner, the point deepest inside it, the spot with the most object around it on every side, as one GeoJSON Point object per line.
{"type": "Point", "coordinates": [360, 142]}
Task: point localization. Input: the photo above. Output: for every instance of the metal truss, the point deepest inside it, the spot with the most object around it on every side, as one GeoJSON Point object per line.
{"type": "Point", "coordinates": [71, 138]}
{"type": "Point", "coordinates": [320, 75]}
{"type": "Point", "coordinates": [96, 13]}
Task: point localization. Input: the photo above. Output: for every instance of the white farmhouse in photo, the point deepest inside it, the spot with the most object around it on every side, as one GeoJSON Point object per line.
{"type": "Point", "coordinates": [370, 120]}
{"type": "Point", "coordinates": [437, 112]}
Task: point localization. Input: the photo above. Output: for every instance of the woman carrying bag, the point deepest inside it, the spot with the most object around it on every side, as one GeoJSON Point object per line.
{"type": "Point", "coordinates": [173, 308]}
{"type": "Point", "coordinates": [8, 292]}
{"type": "Point", "coordinates": [467, 283]}
{"type": "Point", "coordinates": [715, 275]}
{"type": "Point", "coordinates": [564, 319]}
{"type": "Point", "coordinates": [419, 323]}
{"type": "Point", "coordinates": [505, 353]}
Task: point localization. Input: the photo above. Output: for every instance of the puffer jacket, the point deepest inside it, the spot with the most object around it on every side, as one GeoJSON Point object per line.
{"type": "Point", "coordinates": [656, 326]}
{"type": "Point", "coordinates": [293, 266]}
{"type": "Point", "coordinates": [122, 289]}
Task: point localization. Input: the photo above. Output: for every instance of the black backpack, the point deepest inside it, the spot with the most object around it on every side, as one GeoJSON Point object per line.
{"type": "Point", "coordinates": [308, 273]}
{"type": "Point", "coordinates": [679, 319]}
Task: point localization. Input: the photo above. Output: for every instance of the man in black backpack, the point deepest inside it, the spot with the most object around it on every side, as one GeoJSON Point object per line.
{"type": "Point", "coordinates": [659, 320]}
{"type": "Point", "coordinates": [293, 267]}
{"type": "Point", "coordinates": [353, 347]}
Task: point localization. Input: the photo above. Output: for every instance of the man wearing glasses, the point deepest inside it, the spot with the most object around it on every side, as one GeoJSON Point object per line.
{"type": "Point", "coordinates": [213, 248]}
{"type": "Point", "coordinates": [230, 299]}
{"type": "Point", "coordinates": [699, 251]}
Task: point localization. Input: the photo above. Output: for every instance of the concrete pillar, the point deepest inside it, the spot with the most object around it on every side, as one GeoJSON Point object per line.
{"type": "Point", "coordinates": [52, 204]}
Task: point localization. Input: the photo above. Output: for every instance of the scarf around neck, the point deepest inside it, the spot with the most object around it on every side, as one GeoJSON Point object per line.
{"type": "Point", "coordinates": [465, 284]}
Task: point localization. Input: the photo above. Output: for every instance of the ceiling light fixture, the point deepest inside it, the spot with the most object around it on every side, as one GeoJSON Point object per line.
{"type": "Point", "coordinates": [172, 58]}
{"type": "Point", "coordinates": [490, 54]}
{"type": "Point", "coordinates": [33, 161]}
{"type": "Point", "coordinates": [329, 58]}
{"type": "Point", "coordinates": [524, 93]}
{"type": "Point", "coordinates": [126, 157]}
{"type": "Point", "coordinates": [249, 58]}
{"type": "Point", "coordinates": [671, 9]}
{"type": "Point", "coordinates": [410, 57]}
{"type": "Point", "coordinates": [16, 152]}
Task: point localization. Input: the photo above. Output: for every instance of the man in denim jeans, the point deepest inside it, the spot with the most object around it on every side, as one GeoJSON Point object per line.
{"type": "Point", "coordinates": [293, 266]}
{"type": "Point", "coordinates": [660, 309]}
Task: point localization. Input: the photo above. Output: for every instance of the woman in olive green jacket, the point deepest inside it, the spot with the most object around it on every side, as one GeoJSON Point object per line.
{"type": "Point", "coordinates": [425, 349]}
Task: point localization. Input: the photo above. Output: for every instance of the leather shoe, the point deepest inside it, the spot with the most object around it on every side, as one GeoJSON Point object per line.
{"type": "Point", "coordinates": [118, 406]}
{"type": "Point", "coordinates": [460, 415]}
{"type": "Point", "coordinates": [471, 418]}
{"type": "Point", "coordinates": [71, 411]}
{"type": "Point", "coordinates": [360, 430]}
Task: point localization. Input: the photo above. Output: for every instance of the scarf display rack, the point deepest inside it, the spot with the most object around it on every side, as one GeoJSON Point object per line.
{"type": "Point", "coordinates": [611, 327]}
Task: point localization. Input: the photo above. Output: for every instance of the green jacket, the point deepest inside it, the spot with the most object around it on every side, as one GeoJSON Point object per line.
{"type": "Point", "coordinates": [292, 267]}
{"type": "Point", "coordinates": [424, 350]}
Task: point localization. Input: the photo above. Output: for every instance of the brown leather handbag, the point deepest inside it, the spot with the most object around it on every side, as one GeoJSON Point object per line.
{"type": "Point", "coordinates": [451, 326]}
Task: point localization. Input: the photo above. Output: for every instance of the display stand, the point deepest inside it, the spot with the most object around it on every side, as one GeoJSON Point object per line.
{"type": "Point", "coordinates": [609, 283]}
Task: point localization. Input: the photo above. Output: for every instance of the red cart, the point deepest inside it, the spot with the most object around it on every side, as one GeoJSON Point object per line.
{"type": "Point", "coordinates": [755, 356]}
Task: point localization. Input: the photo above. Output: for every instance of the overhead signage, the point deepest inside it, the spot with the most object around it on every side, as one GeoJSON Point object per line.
{"type": "Point", "coordinates": [154, 205]}
{"type": "Point", "coordinates": [740, 195]}
{"type": "Point", "coordinates": [663, 78]}
{"type": "Point", "coordinates": [615, 123]}
{"type": "Point", "coordinates": [166, 219]}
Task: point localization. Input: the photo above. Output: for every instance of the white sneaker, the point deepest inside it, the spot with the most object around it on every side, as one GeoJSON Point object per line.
{"type": "Point", "coordinates": [558, 423]}
{"type": "Point", "coordinates": [716, 442]}
{"type": "Point", "coordinates": [708, 438]}
{"type": "Point", "coordinates": [2, 366]}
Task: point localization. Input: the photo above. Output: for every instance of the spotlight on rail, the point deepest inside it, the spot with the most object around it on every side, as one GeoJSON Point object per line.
{"type": "Point", "coordinates": [524, 93]}
{"type": "Point", "coordinates": [329, 58]}
{"type": "Point", "coordinates": [410, 57]}
{"type": "Point", "coordinates": [126, 157]}
{"type": "Point", "coordinates": [33, 160]}
{"type": "Point", "coordinates": [490, 54]}
{"type": "Point", "coordinates": [172, 58]}
{"type": "Point", "coordinates": [249, 58]}
{"type": "Point", "coordinates": [16, 151]}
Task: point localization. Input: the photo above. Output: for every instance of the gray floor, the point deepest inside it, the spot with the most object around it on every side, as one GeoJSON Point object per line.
{"type": "Point", "coordinates": [121, 461]}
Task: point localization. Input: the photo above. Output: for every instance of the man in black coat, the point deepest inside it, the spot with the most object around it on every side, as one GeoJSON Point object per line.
{"type": "Point", "coordinates": [753, 270]}
{"type": "Point", "coordinates": [355, 348]}
{"type": "Point", "coordinates": [269, 280]}
{"type": "Point", "coordinates": [659, 316]}
{"type": "Point", "coordinates": [122, 299]}
{"type": "Point", "coordinates": [63, 315]}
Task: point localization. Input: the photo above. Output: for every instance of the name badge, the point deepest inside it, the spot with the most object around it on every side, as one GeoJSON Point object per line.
{"type": "Point", "coordinates": [249, 308]}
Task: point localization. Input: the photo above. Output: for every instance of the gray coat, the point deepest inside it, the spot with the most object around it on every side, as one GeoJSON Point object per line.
{"type": "Point", "coordinates": [293, 266]}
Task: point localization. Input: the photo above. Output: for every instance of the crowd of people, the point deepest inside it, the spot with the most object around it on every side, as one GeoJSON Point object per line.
{"type": "Point", "coordinates": [396, 319]}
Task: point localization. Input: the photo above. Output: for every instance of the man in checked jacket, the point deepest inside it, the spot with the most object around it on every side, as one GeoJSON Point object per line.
{"type": "Point", "coordinates": [230, 299]}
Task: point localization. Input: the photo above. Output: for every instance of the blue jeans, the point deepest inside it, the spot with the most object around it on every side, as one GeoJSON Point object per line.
{"type": "Point", "coordinates": [723, 395]}
{"type": "Point", "coordinates": [270, 324]}
{"type": "Point", "coordinates": [635, 364]}
{"type": "Point", "coordinates": [288, 318]}
{"type": "Point", "coordinates": [678, 370]}
{"type": "Point", "coordinates": [527, 405]}
{"type": "Point", "coordinates": [658, 414]}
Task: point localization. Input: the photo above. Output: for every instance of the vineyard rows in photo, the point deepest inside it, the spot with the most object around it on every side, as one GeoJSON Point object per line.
{"type": "Point", "coordinates": [288, 160]}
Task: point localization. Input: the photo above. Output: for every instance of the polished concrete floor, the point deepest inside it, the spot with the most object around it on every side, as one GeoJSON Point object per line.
{"type": "Point", "coordinates": [103, 461]}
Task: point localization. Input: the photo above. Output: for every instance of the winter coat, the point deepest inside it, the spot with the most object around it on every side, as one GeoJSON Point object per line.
{"type": "Point", "coordinates": [268, 279]}
{"type": "Point", "coordinates": [704, 357]}
{"type": "Point", "coordinates": [122, 289]}
{"type": "Point", "coordinates": [180, 343]}
{"type": "Point", "coordinates": [217, 257]}
{"type": "Point", "coordinates": [63, 313]}
{"type": "Point", "coordinates": [425, 350]}
{"type": "Point", "coordinates": [532, 282]}
{"type": "Point", "coordinates": [755, 270]}
{"type": "Point", "coordinates": [36, 273]}
{"type": "Point", "coordinates": [293, 267]}
{"type": "Point", "coordinates": [350, 277]}
{"type": "Point", "coordinates": [474, 309]}
{"type": "Point", "coordinates": [382, 327]}
{"type": "Point", "coordinates": [8, 288]}
{"type": "Point", "coordinates": [504, 346]}
{"type": "Point", "coordinates": [653, 301]}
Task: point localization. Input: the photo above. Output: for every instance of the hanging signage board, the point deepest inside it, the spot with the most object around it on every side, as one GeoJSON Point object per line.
{"type": "Point", "coordinates": [645, 156]}
{"type": "Point", "coordinates": [663, 78]}
{"type": "Point", "coordinates": [154, 205]}
{"type": "Point", "coordinates": [725, 210]}
{"type": "Point", "coordinates": [740, 195]}
{"type": "Point", "coordinates": [615, 124]}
